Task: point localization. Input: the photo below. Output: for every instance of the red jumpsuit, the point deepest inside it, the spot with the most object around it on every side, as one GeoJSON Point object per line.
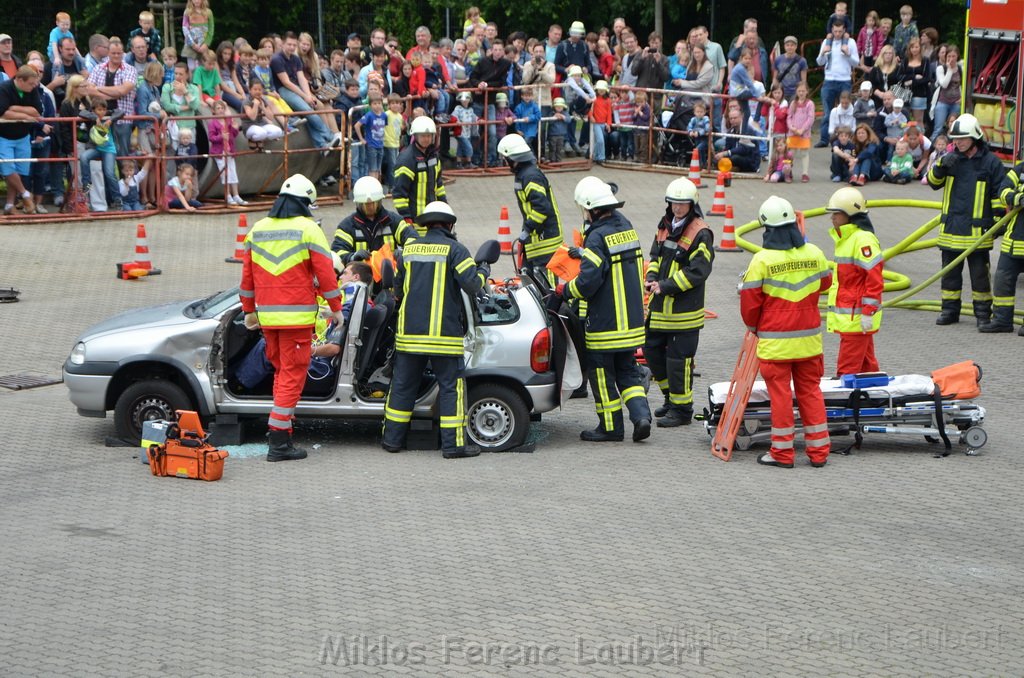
{"type": "Point", "coordinates": [285, 266]}
{"type": "Point", "coordinates": [779, 302]}
{"type": "Point", "coordinates": [856, 294]}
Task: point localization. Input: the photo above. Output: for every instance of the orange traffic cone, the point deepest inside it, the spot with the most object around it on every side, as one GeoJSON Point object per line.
{"type": "Point", "coordinates": [142, 251]}
{"type": "Point", "coordinates": [504, 232]}
{"type": "Point", "coordinates": [718, 206]}
{"type": "Point", "coordinates": [243, 229]}
{"type": "Point", "coordinates": [728, 234]}
{"type": "Point", "coordinates": [695, 168]}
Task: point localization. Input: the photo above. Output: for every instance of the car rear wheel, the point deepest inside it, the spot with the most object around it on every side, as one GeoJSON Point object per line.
{"type": "Point", "coordinates": [148, 400]}
{"type": "Point", "coordinates": [497, 417]}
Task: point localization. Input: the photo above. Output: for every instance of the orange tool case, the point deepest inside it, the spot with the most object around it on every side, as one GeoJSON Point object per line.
{"type": "Point", "coordinates": [186, 453]}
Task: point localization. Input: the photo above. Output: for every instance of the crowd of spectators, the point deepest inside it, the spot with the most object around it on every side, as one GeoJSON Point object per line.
{"type": "Point", "coordinates": [580, 97]}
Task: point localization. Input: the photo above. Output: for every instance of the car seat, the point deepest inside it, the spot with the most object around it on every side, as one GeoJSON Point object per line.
{"type": "Point", "coordinates": [376, 324]}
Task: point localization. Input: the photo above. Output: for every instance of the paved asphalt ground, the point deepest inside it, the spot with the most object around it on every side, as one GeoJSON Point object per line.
{"type": "Point", "coordinates": [622, 559]}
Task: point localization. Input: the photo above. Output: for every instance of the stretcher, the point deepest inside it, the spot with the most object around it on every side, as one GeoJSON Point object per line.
{"type": "Point", "coordinates": [904, 405]}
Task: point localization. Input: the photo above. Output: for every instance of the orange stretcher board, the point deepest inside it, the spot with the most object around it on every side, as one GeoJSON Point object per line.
{"type": "Point", "coordinates": [742, 383]}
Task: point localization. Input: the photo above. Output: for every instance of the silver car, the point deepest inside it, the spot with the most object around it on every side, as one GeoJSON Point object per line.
{"type": "Point", "coordinates": [147, 363]}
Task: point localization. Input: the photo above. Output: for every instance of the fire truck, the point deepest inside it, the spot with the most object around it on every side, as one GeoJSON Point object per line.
{"type": "Point", "coordinates": [992, 85]}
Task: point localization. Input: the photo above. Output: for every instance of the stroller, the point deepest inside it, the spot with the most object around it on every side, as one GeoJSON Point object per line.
{"type": "Point", "coordinates": [676, 146]}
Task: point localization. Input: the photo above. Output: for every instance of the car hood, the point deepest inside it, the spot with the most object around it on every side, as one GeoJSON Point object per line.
{"type": "Point", "coordinates": [165, 314]}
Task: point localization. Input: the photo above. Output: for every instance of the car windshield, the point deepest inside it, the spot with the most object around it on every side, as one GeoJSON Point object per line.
{"type": "Point", "coordinates": [213, 305]}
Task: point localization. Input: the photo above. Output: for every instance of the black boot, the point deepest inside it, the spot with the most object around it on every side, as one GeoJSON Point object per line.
{"type": "Point", "coordinates": [641, 430]}
{"type": "Point", "coordinates": [676, 416]}
{"type": "Point", "coordinates": [993, 327]}
{"type": "Point", "coordinates": [599, 435]}
{"type": "Point", "coordinates": [948, 318]}
{"type": "Point", "coordinates": [665, 408]}
{"type": "Point", "coordinates": [464, 452]}
{"type": "Point", "coordinates": [281, 448]}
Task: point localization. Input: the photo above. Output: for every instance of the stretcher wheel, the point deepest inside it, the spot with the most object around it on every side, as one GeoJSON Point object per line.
{"type": "Point", "coordinates": [975, 437]}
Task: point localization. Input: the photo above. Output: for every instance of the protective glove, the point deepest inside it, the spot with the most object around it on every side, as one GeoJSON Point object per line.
{"type": "Point", "coordinates": [252, 321]}
{"type": "Point", "coordinates": [360, 255]}
{"type": "Point", "coordinates": [1017, 199]}
{"type": "Point", "coordinates": [575, 252]}
{"type": "Point", "coordinates": [338, 317]}
{"type": "Point", "coordinates": [866, 323]}
{"type": "Point", "coordinates": [524, 236]}
{"type": "Point", "coordinates": [485, 268]}
{"type": "Point", "coordinates": [950, 160]}
{"type": "Point", "coordinates": [560, 290]}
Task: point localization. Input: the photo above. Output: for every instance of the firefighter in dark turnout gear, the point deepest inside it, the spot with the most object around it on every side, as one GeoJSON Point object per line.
{"type": "Point", "coordinates": [681, 260]}
{"type": "Point", "coordinates": [542, 225]}
{"type": "Point", "coordinates": [972, 177]}
{"type": "Point", "coordinates": [370, 227]}
{"type": "Point", "coordinates": [1011, 257]}
{"type": "Point", "coordinates": [611, 280]}
{"type": "Point", "coordinates": [434, 269]}
{"type": "Point", "coordinates": [417, 179]}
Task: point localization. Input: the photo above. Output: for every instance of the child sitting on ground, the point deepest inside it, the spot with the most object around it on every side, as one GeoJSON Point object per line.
{"type": "Point", "coordinates": [180, 192]}
{"type": "Point", "coordinates": [895, 123]}
{"type": "Point", "coordinates": [843, 155]}
{"type": "Point", "coordinates": [131, 179]}
{"type": "Point", "coordinates": [919, 145]}
{"type": "Point", "coordinates": [780, 166]}
{"type": "Point", "coordinates": [901, 165]}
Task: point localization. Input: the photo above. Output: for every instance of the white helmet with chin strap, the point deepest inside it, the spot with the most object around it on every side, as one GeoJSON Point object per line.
{"type": "Point", "coordinates": [592, 193]}
{"type": "Point", "coordinates": [422, 125]}
{"type": "Point", "coordinates": [367, 189]}
{"type": "Point", "coordinates": [681, 190]}
{"type": "Point", "coordinates": [514, 147]}
{"type": "Point", "coordinates": [776, 211]}
{"type": "Point", "coordinates": [299, 186]}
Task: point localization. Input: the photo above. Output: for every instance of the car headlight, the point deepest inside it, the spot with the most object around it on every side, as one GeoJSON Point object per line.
{"type": "Point", "coordinates": [78, 354]}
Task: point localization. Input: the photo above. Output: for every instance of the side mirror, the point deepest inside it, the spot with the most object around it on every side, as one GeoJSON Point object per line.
{"type": "Point", "coordinates": [490, 252]}
{"type": "Point", "coordinates": [387, 274]}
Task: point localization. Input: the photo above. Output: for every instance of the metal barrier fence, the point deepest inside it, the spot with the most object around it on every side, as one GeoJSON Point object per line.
{"type": "Point", "coordinates": [260, 171]}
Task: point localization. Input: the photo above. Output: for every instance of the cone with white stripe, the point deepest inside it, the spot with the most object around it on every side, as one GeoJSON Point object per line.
{"type": "Point", "coordinates": [504, 232]}
{"type": "Point", "coordinates": [142, 251]}
{"type": "Point", "coordinates": [695, 168]}
{"type": "Point", "coordinates": [240, 233]}
{"type": "Point", "coordinates": [718, 205]}
{"type": "Point", "coordinates": [728, 233]}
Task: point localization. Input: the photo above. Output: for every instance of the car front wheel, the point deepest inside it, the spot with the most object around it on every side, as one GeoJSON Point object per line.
{"type": "Point", "coordinates": [497, 417]}
{"type": "Point", "coordinates": [148, 400]}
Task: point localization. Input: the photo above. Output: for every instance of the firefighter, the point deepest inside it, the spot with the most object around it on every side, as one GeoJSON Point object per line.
{"type": "Point", "coordinates": [972, 177]}
{"type": "Point", "coordinates": [285, 266]}
{"type": "Point", "coordinates": [542, 226]}
{"type": "Point", "coordinates": [611, 280]}
{"type": "Point", "coordinates": [417, 179]}
{"type": "Point", "coordinates": [370, 227]}
{"type": "Point", "coordinates": [434, 269]}
{"type": "Point", "coordinates": [681, 260]}
{"type": "Point", "coordinates": [855, 298]}
{"type": "Point", "coordinates": [1011, 257]}
{"type": "Point", "coordinates": [779, 302]}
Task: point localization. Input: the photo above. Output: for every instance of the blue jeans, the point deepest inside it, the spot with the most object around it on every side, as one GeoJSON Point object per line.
{"type": "Point", "coordinates": [317, 128]}
{"type": "Point", "coordinates": [942, 112]}
{"type": "Point", "coordinates": [358, 161]}
{"type": "Point", "coordinates": [465, 147]}
{"type": "Point", "coordinates": [109, 179]}
{"type": "Point", "coordinates": [374, 159]}
{"type": "Point", "coordinates": [492, 137]}
{"type": "Point", "coordinates": [870, 167]}
{"type": "Point", "coordinates": [598, 148]}
{"type": "Point", "coordinates": [830, 91]}
{"type": "Point", "coordinates": [388, 167]}
{"type": "Point", "coordinates": [122, 134]}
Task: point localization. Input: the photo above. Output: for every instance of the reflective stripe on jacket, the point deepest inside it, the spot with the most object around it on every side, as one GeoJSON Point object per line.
{"type": "Point", "coordinates": [1013, 238]}
{"type": "Point", "coordinates": [359, 232]}
{"type": "Point", "coordinates": [779, 301]}
{"type": "Point", "coordinates": [417, 181]}
{"type": "Point", "coordinates": [286, 264]}
{"type": "Point", "coordinates": [857, 285]}
{"type": "Point", "coordinates": [540, 212]}
{"type": "Point", "coordinates": [432, 272]}
{"type": "Point", "coordinates": [611, 280]}
{"type": "Point", "coordinates": [969, 189]}
{"type": "Point", "coordinates": [681, 265]}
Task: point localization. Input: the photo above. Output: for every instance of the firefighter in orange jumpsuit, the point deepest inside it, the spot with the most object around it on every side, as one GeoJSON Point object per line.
{"type": "Point", "coordinates": [855, 299]}
{"type": "Point", "coordinates": [286, 264]}
{"type": "Point", "coordinates": [779, 302]}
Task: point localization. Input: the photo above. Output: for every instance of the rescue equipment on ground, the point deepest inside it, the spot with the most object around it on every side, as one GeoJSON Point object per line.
{"type": "Point", "coordinates": [186, 453]}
